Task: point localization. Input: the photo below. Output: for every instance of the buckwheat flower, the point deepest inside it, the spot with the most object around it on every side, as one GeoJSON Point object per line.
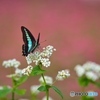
{"type": "Point", "coordinates": [33, 57]}
{"type": "Point", "coordinates": [45, 98]}
{"type": "Point", "coordinates": [34, 89]}
{"type": "Point", "coordinates": [48, 51]}
{"type": "Point", "coordinates": [48, 80]}
{"type": "Point", "coordinates": [42, 57]}
{"type": "Point", "coordinates": [62, 75]}
{"type": "Point", "coordinates": [18, 72]}
{"type": "Point", "coordinates": [45, 62]}
{"type": "Point", "coordinates": [11, 63]}
{"type": "Point", "coordinates": [91, 75]}
{"type": "Point", "coordinates": [79, 70]}
{"type": "Point", "coordinates": [90, 69]}
{"type": "Point", "coordinates": [27, 70]}
{"type": "Point", "coordinates": [1, 87]}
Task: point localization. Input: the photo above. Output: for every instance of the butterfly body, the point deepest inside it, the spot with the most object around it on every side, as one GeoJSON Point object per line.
{"type": "Point", "coordinates": [30, 44]}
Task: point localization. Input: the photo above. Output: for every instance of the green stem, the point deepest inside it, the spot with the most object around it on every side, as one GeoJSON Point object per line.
{"type": "Point", "coordinates": [13, 87]}
{"type": "Point", "coordinates": [13, 95]}
{"type": "Point", "coordinates": [47, 90]}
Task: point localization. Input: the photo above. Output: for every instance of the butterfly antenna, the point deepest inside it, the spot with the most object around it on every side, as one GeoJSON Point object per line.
{"type": "Point", "coordinates": [43, 41]}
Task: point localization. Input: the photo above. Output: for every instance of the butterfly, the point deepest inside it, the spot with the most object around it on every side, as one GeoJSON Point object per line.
{"type": "Point", "coordinates": [30, 43]}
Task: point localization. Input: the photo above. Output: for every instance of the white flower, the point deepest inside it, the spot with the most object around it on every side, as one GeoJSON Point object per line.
{"type": "Point", "coordinates": [91, 75]}
{"type": "Point", "coordinates": [27, 70]}
{"type": "Point", "coordinates": [11, 63]}
{"type": "Point", "coordinates": [90, 69]}
{"type": "Point", "coordinates": [1, 87]}
{"type": "Point", "coordinates": [18, 72]}
{"type": "Point", "coordinates": [33, 57]}
{"type": "Point", "coordinates": [48, 80]}
{"type": "Point", "coordinates": [42, 57]}
{"type": "Point", "coordinates": [45, 62]}
{"type": "Point", "coordinates": [79, 70]}
{"type": "Point", "coordinates": [63, 74]}
{"type": "Point", "coordinates": [48, 51]}
{"type": "Point", "coordinates": [34, 89]}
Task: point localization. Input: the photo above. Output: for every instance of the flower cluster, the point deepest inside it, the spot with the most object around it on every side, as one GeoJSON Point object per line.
{"type": "Point", "coordinates": [48, 80]}
{"type": "Point", "coordinates": [34, 89]}
{"type": "Point", "coordinates": [42, 57]}
{"type": "Point", "coordinates": [63, 74]}
{"type": "Point", "coordinates": [27, 70]}
{"type": "Point", "coordinates": [90, 69]}
{"type": "Point", "coordinates": [11, 63]}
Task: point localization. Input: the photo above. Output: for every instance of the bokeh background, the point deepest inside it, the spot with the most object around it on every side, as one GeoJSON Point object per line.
{"type": "Point", "coordinates": [71, 26]}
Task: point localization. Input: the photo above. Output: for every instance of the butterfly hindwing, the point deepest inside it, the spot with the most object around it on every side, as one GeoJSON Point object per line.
{"type": "Point", "coordinates": [30, 44]}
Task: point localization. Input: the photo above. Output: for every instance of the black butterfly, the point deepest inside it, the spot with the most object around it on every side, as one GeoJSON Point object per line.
{"type": "Point", "coordinates": [30, 44]}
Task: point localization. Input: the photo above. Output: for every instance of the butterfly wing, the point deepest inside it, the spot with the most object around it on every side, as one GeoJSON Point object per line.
{"type": "Point", "coordinates": [36, 43]}
{"type": "Point", "coordinates": [29, 41]}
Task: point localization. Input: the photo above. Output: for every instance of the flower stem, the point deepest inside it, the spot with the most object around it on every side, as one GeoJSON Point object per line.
{"type": "Point", "coordinates": [13, 95]}
{"type": "Point", "coordinates": [47, 90]}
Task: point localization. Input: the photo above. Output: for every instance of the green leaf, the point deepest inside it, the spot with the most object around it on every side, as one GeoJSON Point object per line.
{"type": "Point", "coordinates": [44, 88]}
{"type": "Point", "coordinates": [83, 81]}
{"type": "Point", "coordinates": [37, 71]}
{"type": "Point", "coordinates": [87, 98]}
{"type": "Point", "coordinates": [20, 91]}
{"type": "Point", "coordinates": [57, 90]}
{"type": "Point", "coordinates": [5, 91]}
{"type": "Point", "coordinates": [21, 80]}
{"type": "Point", "coordinates": [97, 84]}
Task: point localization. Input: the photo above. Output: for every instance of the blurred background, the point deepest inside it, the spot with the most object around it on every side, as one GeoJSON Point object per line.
{"type": "Point", "coordinates": [71, 26]}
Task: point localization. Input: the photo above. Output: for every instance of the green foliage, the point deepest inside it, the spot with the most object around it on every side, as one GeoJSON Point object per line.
{"type": "Point", "coordinates": [5, 91]}
{"type": "Point", "coordinates": [83, 81]}
{"type": "Point", "coordinates": [37, 71]}
{"type": "Point", "coordinates": [57, 91]}
{"type": "Point", "coordinates": [20, 80]}
{"type": "Point", "coordinates": [87, 98]}
{"type": "Point", "coordinates": [44, 88]}
{"type": "Point", "coordinates": [97, 84]}
{"type": "Point", "coordinates": [20, 91]}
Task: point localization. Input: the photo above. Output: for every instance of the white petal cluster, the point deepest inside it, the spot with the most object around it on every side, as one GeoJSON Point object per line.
{"type": "Point", "coordinates": [45, 98]}
{"type": "Point", "coordinates": [90, 69]}
{"type": "Point", "coordinates": [63, 74]}
{"type": "Point", "coordinates": [11, 63]}
{"type": "Point", "coordinates": [79, 70]}
{"type": "Point", "coordinates": [27, 70]}
{"type": "Point", "coordinates": [48, 80]}
{"type": "Point", "coordinates": [18, 72]}
{"type": "Point", "coordinates": [42, 57]}
{"type": "Point", "coordinates": [34, 89]}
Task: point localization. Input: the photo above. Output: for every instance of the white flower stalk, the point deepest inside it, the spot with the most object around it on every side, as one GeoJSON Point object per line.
{"type": "Point", "coordinates": [34, 89]}
{"type": "Point", "coordinates": [48, 80]}
{"type": "Point", "coordinates": [63, 74]}
{"type": "Point", "coordinates": [11, 63]}
{"type": "Point", "coordinates": [45, 98]}
{"type": "Point", "coordinates": [90, 69]}
{"type": "Point", "coordinates": [42, 57]}
{"type": "Point", "coordinates": [27, 71]}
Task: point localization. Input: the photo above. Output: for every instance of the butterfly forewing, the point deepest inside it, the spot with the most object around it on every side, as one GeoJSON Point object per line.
{"type": "Point", "coordinates": [29, 40]}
